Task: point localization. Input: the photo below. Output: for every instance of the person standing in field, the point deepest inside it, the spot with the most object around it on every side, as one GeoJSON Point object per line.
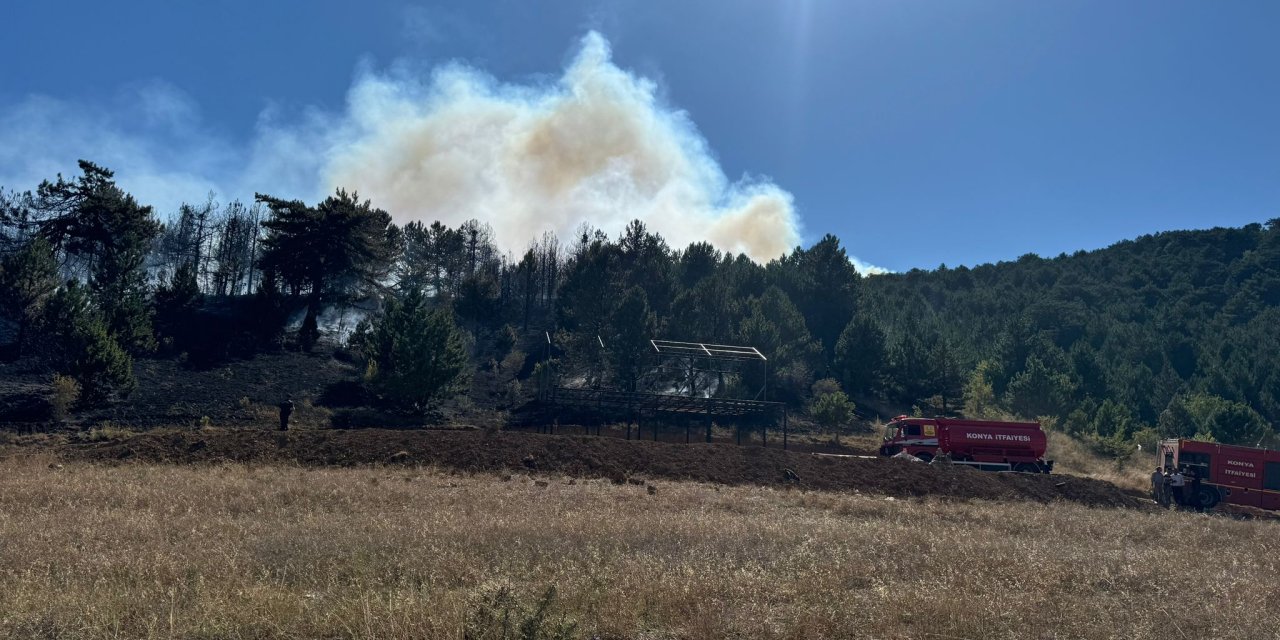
{"type": "Point", "coordinates": [1157, 485]}
{"type": "Point", "coordinates": [1179, 483]}
{"type": "Point", "coordinates": [286, 410]}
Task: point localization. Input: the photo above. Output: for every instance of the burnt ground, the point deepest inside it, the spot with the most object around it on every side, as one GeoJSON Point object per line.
{"type": "Point", "coordinates": [171, 392]}
{"type": "Point", "coordinates": [590, 457]}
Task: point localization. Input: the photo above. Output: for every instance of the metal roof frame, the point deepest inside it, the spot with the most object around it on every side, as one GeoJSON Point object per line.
{"type": "Point", "coordinates": [731, 353]}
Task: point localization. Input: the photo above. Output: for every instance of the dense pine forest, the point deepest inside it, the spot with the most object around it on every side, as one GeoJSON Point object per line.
{"type": "Point", "coordinates": [1172, 334]}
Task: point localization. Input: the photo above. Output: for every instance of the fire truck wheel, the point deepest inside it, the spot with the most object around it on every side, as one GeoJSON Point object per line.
{"type": "Point", "coordinates": [1207, 497]}
{"type": "Point", "coordinates": [1026, 467]}
{"type": "Point", "coordinates": [925, 457]}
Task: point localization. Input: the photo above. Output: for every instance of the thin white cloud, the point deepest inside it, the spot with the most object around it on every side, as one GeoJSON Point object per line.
{"type": "Point", "coordinates": [150, 136]}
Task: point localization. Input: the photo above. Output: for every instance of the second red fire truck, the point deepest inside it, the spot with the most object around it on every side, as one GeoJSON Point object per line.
{"type": "Point", "coordinates": [986, 444]}
{"type": "Point", "coordinates": [1227, 473]}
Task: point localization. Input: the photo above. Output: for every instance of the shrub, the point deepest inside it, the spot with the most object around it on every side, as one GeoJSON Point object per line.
{"type": "Point", "coordinates": [108, 432]}
{"type": "Point", "coordinates": [831, 409]}
{"type": "Point", "coordinates": [825, 386]}
{"type": "Point", "coordinates": [66, 391]}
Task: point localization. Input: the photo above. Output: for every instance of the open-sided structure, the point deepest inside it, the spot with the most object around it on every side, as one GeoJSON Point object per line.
{"type": "Point", "coordinates": [687, 387]}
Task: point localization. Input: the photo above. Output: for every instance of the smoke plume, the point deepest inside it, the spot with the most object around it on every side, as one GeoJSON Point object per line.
{"type": "Point", "coordinates": [596, 146]}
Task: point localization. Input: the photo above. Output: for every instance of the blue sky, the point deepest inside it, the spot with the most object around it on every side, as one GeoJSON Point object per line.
{"type": "Point", "coordinates": [920, 133]}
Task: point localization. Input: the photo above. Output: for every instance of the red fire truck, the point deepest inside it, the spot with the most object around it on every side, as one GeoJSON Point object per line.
{"type": "Point", "coordinates": [1228, 473]}
{"type": "Point", "coordinates": [988, 445]}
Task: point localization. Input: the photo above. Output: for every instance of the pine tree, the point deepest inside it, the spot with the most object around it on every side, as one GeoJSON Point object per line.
{"type": "Point", "coordinates": [825, 286]}
{"type": "Point", "coordinates": [979, 398]}
{"type": "Point", "coordinates": [109, 234]}
{"type": "Point", "coordinates": [27, 278]}
{"type": "Point", "coordinates": [777, 328]}
{"type": "Point", "coordinates": [78, 344]}
{"type": "Point", "coordinates": [175, 302]}
{"type": "Point", "coordinates": [910, 363]}
{"type": "Point", "coordinates": [477, 303]}
{"type": "Point", "coordinates": [584, 307]}
{"type": "Point", "coordinates": [860, 355]}
{"type": "Point", "coordinates": [416, 353]}
{"type": "Point", "coordinates": [944, 373]}
{"type": "Point", "coordinates": [338, 249]}
{"type": "Point", "coordinates": [631, 326]}
{"type": "Point", "coordinates": [1039, 390]}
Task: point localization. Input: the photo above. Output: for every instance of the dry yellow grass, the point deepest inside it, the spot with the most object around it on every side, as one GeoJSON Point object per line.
{"type": "Point", "coordinates": [1074, 457]}
{"type": "Point", "coordinates": [282, 552]}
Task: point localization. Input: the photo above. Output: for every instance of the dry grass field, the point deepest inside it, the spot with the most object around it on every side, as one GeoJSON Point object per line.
{"type": "Point", "coordinates": [240, 551]}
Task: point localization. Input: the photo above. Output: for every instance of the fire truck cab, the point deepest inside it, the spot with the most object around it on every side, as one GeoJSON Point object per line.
{"type": "Point", "coordinates": [1228, 473]}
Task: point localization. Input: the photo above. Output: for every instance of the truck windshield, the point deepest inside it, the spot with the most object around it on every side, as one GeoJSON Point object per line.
{"type": "Point", "coordinates": [891, 431]}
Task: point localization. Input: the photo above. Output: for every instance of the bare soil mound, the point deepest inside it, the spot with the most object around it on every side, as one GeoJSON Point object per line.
{"type": "Point", "coordinates": [594, 457]}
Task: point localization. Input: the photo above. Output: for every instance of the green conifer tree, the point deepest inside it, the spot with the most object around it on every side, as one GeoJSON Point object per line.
{"type": "Point", "coordinates": [28, 277]}
{"type": "Point", "coordinates": [417, 353]}
{"type": "Point", "coordinates": [78, 344]}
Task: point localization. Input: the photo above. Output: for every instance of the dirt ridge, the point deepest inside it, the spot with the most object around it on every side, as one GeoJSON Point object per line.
{"type": "Point", "coordinates": [595, 457]}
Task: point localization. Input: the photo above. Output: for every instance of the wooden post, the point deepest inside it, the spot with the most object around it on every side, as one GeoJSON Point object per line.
{"type": "Point", "coordinates": [784, 428]}
{"type": "Point", "coordinates": [710, 421]}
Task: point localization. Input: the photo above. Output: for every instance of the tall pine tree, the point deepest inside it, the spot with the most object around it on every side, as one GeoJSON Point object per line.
{"type": "Point", "coordinates": [338, 249]}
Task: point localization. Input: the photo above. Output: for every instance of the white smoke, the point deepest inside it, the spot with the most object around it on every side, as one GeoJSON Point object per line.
{"type": "Point", "coordinates": [596, 145]}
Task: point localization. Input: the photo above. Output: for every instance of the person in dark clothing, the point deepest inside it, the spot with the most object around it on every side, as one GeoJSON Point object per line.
{"type": "Point", "coordinates": [1157, 486]}
{"type": "Point", "coordinates": [1193, 490]}
{"type": "Point", "coordinates": [286, 409]}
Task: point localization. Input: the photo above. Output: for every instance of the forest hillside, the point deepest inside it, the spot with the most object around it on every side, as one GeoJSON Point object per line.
{"type": "Point", "coordinates": [1171, 334]}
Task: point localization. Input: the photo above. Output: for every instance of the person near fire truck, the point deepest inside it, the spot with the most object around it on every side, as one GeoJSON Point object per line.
{"type": "Point", "coordinates": [1166, 487]}
{"type": "Point", "coordinates": [1157, 485]}
{"type": "Point", "coordinates": [1178, 482]}
{"type": "Point", "coordinates": [1193, 490]}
